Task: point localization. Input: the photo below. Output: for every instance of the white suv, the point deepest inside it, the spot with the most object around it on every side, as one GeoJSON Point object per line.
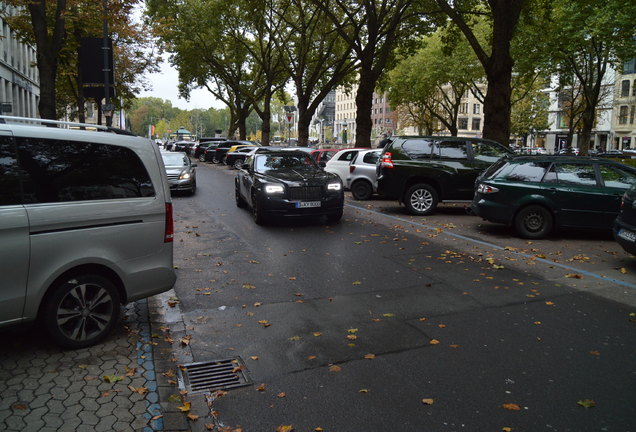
{"type": "Point", "coordinates": [85, 226]}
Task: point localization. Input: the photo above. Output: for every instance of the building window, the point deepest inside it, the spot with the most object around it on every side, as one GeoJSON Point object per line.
{"type": "Point", "coordinates": [629, 66]}
{"type": "Point", "coordinates": [462, 123]}
{"type": "Point", "coordinates": [622, 115]}
{"type": "Point", "coordinates": [476, 108]}
{"type": "Point", "coordinates": [625, 88]}
{"type": "Point", "coordinates": [634, 88]}
{"type": "Point", "coordinates": [631, 114]}
{"type": "Point", "coordinates": [476, 123]}
{"type": "Point", "coordinates": [463, 108]}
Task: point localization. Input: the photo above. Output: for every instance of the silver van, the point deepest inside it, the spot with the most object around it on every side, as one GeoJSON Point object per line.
{"type": "Point", "coordinates": [85, 226]}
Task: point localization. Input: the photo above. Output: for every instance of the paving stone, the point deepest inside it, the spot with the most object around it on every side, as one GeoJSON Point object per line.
{"type": "Point", "coordinates": [105, 423]}
{"type": "Point", "coordinates": [88, 417]}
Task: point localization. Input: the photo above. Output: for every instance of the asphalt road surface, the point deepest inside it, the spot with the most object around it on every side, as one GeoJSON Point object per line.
{"type": "Point", "coordinates": [386, 322]}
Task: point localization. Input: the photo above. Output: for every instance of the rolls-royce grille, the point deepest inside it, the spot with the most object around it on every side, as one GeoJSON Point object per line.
{"type": "Point", "coordinates": [305, 193]}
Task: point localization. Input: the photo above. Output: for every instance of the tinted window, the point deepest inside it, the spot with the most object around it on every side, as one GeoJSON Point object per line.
{"type": "Point", "coordinates": [616, 177]}
{"type": "Point", "coordinates": [57, 170]}
{"type": "Point", "coordinates": [525, 172]}
{"type": "Point", "coordinates": [487, 152]}
{"type": "Point", "coordinates": [284, 162]}
{"type": "Point", "coordinates": [175, 159]}
{"type": "Point", "coordinates": [572, 173]}
{"type": "Point", "coordinates": [9, 173]}
{"type": "Point", "coordinates": [371, 158]}
{"type": "Point", "coordinates": [347, 156]}
{"type": "Point", "coordinates": [418, 148]}
{"type": "Point", "coordinates": [450, 150]}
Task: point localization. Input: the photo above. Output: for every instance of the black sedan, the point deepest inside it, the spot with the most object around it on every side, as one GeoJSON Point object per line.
{"type": "Point", "coordinates": [288, 183]}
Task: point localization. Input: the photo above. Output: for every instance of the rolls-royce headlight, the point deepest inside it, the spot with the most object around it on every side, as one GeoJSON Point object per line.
{"type": "Point", "coordinates": [273, 189]}
{"type": "Point", "coordinates": [334, 186]}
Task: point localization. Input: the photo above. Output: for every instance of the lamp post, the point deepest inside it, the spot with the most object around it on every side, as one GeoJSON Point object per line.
{"type": "Point", "coordinates": [344, 131]}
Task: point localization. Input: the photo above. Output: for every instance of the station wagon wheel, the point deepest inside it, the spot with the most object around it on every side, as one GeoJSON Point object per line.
{"type": "Point", "coordinates": [533, 222]}
{"type": "Point", "coordinates": [238, 163]}
{"type": "Point", "coordinates": [361, 190]}
{"type": "Point", "coordinates": [421, 199]}
{"type": "Point", "coordinates": [81, 311]}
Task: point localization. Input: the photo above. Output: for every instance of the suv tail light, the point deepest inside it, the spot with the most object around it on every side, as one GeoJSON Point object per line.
{"type": "Point", "coordinates": [386, 161]}
{"type": "Point", "coordinates": [169, 230]}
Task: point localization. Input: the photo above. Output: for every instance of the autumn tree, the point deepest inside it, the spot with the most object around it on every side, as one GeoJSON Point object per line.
{"type": "Point", "coordinates": [374, 30]}
{"type": "Point", "coordinates": [586, 39]}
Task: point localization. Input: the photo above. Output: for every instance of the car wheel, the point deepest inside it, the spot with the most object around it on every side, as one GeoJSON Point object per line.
{"type": "Point", "coordinates": [533, 222]}
{"type": "Point", "coordinates": [202, 157]}
{"type": "Point", "coordinates": [215, 160]}
{"type": "Point", "coordinates": [421, 199]}
{"type": "Point", "coordinates": [334, 218]}
{"type": "Point", "coordinates": [257, 211]}
{"type": "Point", "coordinates": [361, 190]}
{"type": "Point", "coordinates": [81, 311]}
{"type": "Point", "coordinates": [240, 202]}
{"type": "Point", "coordinates": [193, 189]}
{"type": "Point", "coordinates": [238, 164]}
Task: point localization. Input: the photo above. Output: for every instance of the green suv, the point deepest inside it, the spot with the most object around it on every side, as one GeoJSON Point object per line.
{"type": "Point", "coordinates": [421, 171]}
{"type": "Point", "coordinates": [535, 194]}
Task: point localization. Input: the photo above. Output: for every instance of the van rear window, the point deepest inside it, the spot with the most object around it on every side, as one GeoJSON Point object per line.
{"type": "Point", "coordinates": [59, 170]}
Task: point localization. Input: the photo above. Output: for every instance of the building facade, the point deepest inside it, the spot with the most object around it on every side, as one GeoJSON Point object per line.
{"type": "Point", "coordinates": [19, 78]}
{"type": "Point", "coordinates": [624, 115]}
{"type": "Point", "coordinates": [345, 115]}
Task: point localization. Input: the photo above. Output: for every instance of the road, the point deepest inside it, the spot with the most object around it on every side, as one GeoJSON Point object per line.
{"type": "Point", "coordinates": [386, 322]}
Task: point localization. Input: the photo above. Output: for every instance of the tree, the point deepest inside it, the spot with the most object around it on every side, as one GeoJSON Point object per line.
{"type": "Point", "coordinates": [530, 109]}
{"type": "Point", "coordinates": [495, 58]}
{"type": "Point", "coordinates": [587, 37]}
{"type": "Point", "coordinates": [374, 30]}
{"type": "Point", "coordinates": [432, 83]}
{"type": "Point", "coordinates": [316, 57]}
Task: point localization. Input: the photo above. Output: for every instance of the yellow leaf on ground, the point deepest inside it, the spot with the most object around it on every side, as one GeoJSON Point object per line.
{"type": "Point", "coordinates": [261, 388]}
{"type": "Point", "coordinates": [573, 276]}
{"type": "Point", "coordinates": [281, 395]}
{"type": "Point", "coordinates": [511, 407]}
{"type": "Point", "coordinates": [193, 417]}
{"type": "Point", "coordinates": [434, 342]}
{"type": "Point", "coordinates": [185, 407]}
{"type": "Point", "coordinates": [428, 401]}
{"type": "Point", "coordinates": [369, 356]}
{"type": "Point", "coordinates": [587, 403]}
{"type": "Point", "coordinates": [334, 368]}
{"type": "Point", "coordinates": [285, 428]}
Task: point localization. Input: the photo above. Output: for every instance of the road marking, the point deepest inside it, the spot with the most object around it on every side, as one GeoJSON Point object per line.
{"type": "Point", "coordinates": [494, 246]}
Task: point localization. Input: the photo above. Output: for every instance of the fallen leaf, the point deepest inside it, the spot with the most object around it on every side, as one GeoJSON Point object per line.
{"type": "Point", "coordinates": [623, 270]}
{"type": "Point", "coordinates": [193, 417]}
{"type": "Point", "coordinates": [506, 429]}
{"type": "Point", "coordinates": [357, 283]}
{"type": "Point", "coordinates": [428, 401]}
{"type": "Point", "coordinates": [388, 315]}
{"type": "Point", "coordinates": [139, 390]}
{"type": "Point", "coordinates": [573, 276]}
{"type": "Point", "coordinates": [595, 353]}
{"type": "Point", "coordinates": [363, 391]}
{"type": "Point", "coordinates": [511, 407]}
{"type": "Point", "coordinates": [248, 286]}
{"type": "Point", "coordinates": [352, 337]}
{"type": "Point", "coordinates": [316, 334]}
{"type": "Point", "coordinates": [264, 323]}
{"type": "Point", "coordinates": [587, 403]}
{"type": "Point", "coordinates": [434, 342]}
{"type": "Point", "coordinates": [549, 303]}
{"type": "Point", "coordinates": [254, 357]}
{"type": "Point", "coordinates": [334, 368]}
{"type": "Point", "coordinates": [185, 407]}
{"type": "Point", "coordinates": [281, 395]}
{"type": "Point", "coordinates": [130, 371]}
{"type": "Point", "coordinates": [369, 356]}
{"type": "Point", "coordinates": [112, 378]}
{"type": "Point", "coordinates": [295, 338]}
{"type": "Point", "coordinates": [312, 357]}
{"type": "Point", "coordinates": [261, 388]}
{"type": "Point", "coordinates": [174, 398]}
{"type": "Point", "coordinates": [285, 428]}
{"type": "Point", "coordinates": [292, 278]}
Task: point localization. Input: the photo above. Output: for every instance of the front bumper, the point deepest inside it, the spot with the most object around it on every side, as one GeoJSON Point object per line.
{"type": "Point", "coordinates": [181, 185]}
{"type": "Point", "coordinates": [283, 207]}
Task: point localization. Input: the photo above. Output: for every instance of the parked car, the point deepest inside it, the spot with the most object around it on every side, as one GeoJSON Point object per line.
{"type": "Point", "coordinates": [362, 176]}
{"type": "Point", "coordinates": [339, 163]}
{"type": "Point", "coordinates": [182, 174]}
{"type": "Point", "coordinates": [183, 146]}
{"type": "Point", "coordinates": [204, 145]}
{"type": "Point", "coordinates": [287, 183]}
{"type": "Point", "coordinates": [323, 155]}
{"type": "Point", "coordinates": [422, 171]}
{"type": "Point", "coordinates": [86, 226]}
{"type": "Point", "coordinates": [625, 223]}
{"type": "Point", "coordinates": [536, 194]}
{"type": "Point", "coordinates": [235, 158]}
{"type": "Point", "coordinates": [614, 153]}
{"type": "Point", "coordinates": [568, 151]}
{"type": "Point", "coordinates": [221, 150]}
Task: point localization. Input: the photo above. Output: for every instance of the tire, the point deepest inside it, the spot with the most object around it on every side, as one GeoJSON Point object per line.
{"type": "Point", "coordinates": [361, 190]}
{"type": "Point", "coordinates": [421, 199]}
{"type": "Point", "coordinates": [257, 211]}
{"type": "Point", "coordinates": [238, 164]}
{"type": "Point", "coordinates": [193, 189]}
{"type": "Point", "coordinates": [240, 202]}
{"type": "Point", "coordinates": [215, 160]}
{"type": "Point", "coordinates": [202, 157]}
{"type": "Point", "coordinates": [81, 311]}
{"type": "Point", "coordinates": [334, 218]}
{"type": "Point", "coordinates": [533, 222]}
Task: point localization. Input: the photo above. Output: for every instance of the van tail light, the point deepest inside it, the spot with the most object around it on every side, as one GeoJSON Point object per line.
{"type": "Point", "coordinates": [169, 230]}
{"type": "Point", "coordinates": [352, 168]}
{"type": "Point", "coordinates": [386, 161]}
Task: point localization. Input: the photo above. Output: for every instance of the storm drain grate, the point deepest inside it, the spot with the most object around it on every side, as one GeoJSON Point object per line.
{"type": "Point", "coordinates": [214, 375]}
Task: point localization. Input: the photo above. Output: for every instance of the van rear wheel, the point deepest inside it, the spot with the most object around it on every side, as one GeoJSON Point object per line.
{"type": "Point", "coordinates": [81, 310]}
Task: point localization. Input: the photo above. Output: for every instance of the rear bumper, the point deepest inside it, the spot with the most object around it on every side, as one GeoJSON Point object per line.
{"type": "Point", "coordinates": [625, 235]}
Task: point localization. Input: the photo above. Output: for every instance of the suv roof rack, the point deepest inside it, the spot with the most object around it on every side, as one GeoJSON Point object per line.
{"type": "Point", "coordinates": [67, 124]}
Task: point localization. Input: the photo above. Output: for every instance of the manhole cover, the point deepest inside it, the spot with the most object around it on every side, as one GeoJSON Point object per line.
{"type": "Point", "coordinates": [214, 375]}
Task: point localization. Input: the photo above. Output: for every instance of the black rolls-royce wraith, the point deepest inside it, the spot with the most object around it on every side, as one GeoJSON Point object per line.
{"type": "Point", "coordinates": [288, 183]}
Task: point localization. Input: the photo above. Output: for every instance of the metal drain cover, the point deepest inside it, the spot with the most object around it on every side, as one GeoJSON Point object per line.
{"type": "Point", "coordinates": [213, 375]}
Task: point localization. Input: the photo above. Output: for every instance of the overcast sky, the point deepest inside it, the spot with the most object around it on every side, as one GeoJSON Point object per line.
{"type": "Point", "coordinates": [164, 86]}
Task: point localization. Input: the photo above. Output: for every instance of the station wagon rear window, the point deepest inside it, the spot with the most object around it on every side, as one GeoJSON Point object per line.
{"type": "Point", "coordinates": [527, 172]}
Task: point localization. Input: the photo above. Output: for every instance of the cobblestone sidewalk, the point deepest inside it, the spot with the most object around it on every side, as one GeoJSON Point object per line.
{"type": "Point", "coordinates": [108, 387]}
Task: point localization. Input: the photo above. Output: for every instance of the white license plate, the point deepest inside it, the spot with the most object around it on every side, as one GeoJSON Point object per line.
{"type": "Point", "coordinates": [307, 204]}
{"type": "Point", "coordinates": [627, 235]}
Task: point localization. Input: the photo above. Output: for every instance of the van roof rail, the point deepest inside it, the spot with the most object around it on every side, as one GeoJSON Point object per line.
{"type": "Point", "coordinates": [67, 124]}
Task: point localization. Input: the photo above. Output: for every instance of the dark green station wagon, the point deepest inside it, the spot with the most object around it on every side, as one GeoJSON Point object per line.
{"type": "Point", "coordinates": [421, 171]}
{"type": "Point", "coordinates": [535, 194]}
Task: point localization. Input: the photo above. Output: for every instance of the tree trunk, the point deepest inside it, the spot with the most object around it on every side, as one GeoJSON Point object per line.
{"type": "Point", "coordinates": [364, 102]}
{"type": "Point", "coordinates": [497, 100]}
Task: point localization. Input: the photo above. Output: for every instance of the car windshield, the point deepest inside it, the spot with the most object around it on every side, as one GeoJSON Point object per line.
{"type": "Point", "coordinates": [174, 159]}
{"type": "Point", "coordinates": [278, 162]}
